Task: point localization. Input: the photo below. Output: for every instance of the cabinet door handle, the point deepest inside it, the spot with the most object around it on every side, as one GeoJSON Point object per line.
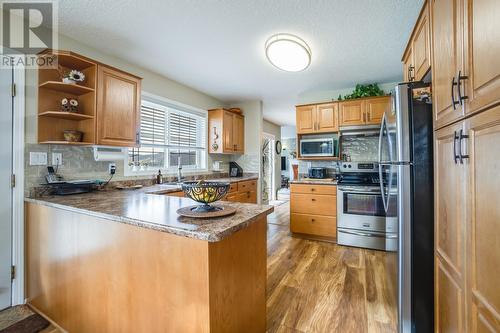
{"type": "Point", "coordinates": [455, 139]}
{"type": "Point", "coordinates": [313, 220]}
{"type": "Point", "coordinates": [368, 118]}
{"type": "Point", "coordinates": [460, 156]}
{"type": "Point", "coordinates": [459, 87]}
{"type": "Point", "coordinates": [411, 77]}
{"type": "Point", "coordinates": [137, 137]}
{"type": "Point", "coordinates": [313, 199]}
{"type": "Point", "coordinates": [453, 102]}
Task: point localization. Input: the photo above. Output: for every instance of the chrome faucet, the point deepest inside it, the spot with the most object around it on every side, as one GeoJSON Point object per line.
{"type": "Point", "coordinates": [179, 170]}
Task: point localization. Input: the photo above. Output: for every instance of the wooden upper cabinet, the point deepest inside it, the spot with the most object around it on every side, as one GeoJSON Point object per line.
{"type": "Point", "coordinates": [417, 56]}
{"type": "Point", "coordinates": [352, 113]}
{"type": "Point", "coordinates": [450, 190]}
{"type": "Point", "coordinates": [447, 45]}
{"type": "Point", "coordinates": [375, 109]}
{"type": "Point", "coordinates": [238, 133]}
{"type": "Point", "coordinates": [305, 116]}
{"type": "Point", "coordinates": [226, 132]}
{"type": "Point", "coordinates": [118, 107]}
{"type": "Point", "coordinates": [317, 118]}
{"type": "Point", "coordinates": [482, 85]}
{"type": "Point", "coordinates": [327, 118]}
{"type": "Point", "coordinates": [483, 148]}
{"type": "Point", "coordinates": [421, 45]}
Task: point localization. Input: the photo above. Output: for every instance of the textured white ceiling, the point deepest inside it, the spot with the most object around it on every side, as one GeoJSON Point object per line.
{"type": "Point", "coordinates": [217, 46]}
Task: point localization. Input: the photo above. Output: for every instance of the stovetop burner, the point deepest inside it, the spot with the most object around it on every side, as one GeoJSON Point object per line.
{"type": "Point", "coordinates": [365, 179]}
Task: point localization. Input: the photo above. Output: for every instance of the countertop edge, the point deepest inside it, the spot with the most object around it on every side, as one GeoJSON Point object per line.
{"type": "Point", "coordinates": [199, 235]}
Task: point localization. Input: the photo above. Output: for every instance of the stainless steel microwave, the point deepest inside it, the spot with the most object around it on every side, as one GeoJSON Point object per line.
{"type": "Point", "coordinates": [318, 147]}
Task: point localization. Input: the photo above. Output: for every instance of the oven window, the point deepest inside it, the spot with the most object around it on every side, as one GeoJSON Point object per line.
{"type": "Point", "coordinates": [366, 204]}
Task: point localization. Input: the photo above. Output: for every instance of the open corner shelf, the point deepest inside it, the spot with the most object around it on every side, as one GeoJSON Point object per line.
{"type": "Point", "coordinates": [73, 89]}
{"type": "Point", "coordinates": [67, 143]}
{"type": "Point", "coordinates": [65, 115]}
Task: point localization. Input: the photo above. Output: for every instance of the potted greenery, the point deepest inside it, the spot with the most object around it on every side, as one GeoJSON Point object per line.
{"type": "Point", "coordinates": [364, 90]}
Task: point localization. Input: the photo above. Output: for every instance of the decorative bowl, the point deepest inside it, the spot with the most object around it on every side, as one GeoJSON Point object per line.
{"type": "Point", "coordinates": [72, 136]}
{"type": "Point", "coordinates": [205, 193]}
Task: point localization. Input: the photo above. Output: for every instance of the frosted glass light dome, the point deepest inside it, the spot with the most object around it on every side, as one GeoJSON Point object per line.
{"type": "Point", "coordinates": [288, 52]}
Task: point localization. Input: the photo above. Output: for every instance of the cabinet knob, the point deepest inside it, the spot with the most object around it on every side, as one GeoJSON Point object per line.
{"type": "Point", "coordinates": [313, 199]}
{"type": "Point", "coordinates": [313, 220]}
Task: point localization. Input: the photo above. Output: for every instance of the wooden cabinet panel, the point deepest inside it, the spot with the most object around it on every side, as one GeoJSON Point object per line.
{"type": "Point", "coordinates": [420, 45]}
{"type": "Point", "coordinates": [483, 147]}
{"type": "Point", "coordinates": [305, 119]}
{"type": "Point", "coordinates": [327, 118]}
{"type": "Point", "coordinates": [118, 108]}
{"type": "Point", "coordinates": [449, 296]}
{"type": "Point", "coordinates": [313, 224]}
{"type": "Point", "coordinates": [352, 113]}
{"type": "Point", "coordinates": [314, 189]}
{"type": "Point", "coordinates": [483, 32]}
{"type": "Point", "coordinates": [450, 189]}
{"type": "Point", "coordinates": [317, 204]}
{"type": "Point", "coordinates": [227, 131]}
{"type": "Point", "coordinates": [375, 109]}
{"type": "Point", "coordinates": [447, 45]}
{"type": "Point", "coordinates": [239, 133]}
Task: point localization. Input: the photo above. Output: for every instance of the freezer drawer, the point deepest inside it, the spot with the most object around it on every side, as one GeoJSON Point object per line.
{"type": "Point", "coordinates": [367, 239]}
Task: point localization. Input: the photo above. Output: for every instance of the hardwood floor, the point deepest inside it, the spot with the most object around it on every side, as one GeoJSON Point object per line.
{"type": "Point", "coordinates": [322, 287]}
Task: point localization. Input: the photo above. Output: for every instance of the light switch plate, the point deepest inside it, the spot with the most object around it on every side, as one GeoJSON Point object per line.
{"type": "Point", "coordinates": [38, 158]}
{"type": "Point", "coordinates": [56, 159]}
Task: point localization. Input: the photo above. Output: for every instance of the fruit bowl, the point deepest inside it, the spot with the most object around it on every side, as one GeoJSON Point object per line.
{"type": "Point", "coordinates": [205, 193]}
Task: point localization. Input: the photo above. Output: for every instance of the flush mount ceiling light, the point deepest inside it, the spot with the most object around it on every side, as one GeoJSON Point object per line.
{"type": "Point", "coordinates": [288, 52]}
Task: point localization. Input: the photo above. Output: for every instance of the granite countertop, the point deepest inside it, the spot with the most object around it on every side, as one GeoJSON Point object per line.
{"type": "Point", "coordinates": [144, 208]}
{"type": "Point", "coordinates": [314, 181]}
{"type": "Point", "coordinates": [170, 188]}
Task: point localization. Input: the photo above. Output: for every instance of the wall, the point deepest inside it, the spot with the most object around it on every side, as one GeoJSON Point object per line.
{"type": "Point", "coordinates": [78, 162]}
{"type": "Point", "coordinates": [273, 129]}
{"type": "Point", "coordinates": [288, 132]}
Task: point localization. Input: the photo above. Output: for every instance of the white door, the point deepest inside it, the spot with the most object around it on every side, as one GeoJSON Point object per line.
{"type": "Point", "coordinates": [6, 128]}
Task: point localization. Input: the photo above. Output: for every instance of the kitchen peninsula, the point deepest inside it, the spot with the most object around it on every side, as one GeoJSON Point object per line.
{"type": "Point", "coordinates": [116, 261]}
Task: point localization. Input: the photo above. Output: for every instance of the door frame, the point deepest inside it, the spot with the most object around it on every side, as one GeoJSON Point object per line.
{"type": "Point", "coordinates": [18, 190]}
{"type": "Point", "coordinates": [271, 137]}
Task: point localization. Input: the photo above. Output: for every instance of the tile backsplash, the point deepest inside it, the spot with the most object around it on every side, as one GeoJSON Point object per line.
{"type": "Point", "coordinates": [79, 163]}
{"type": "Point", "coordinates": [360, 148]}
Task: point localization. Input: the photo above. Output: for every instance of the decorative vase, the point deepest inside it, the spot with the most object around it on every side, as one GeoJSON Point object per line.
{"type": "Point", "coordinates": [67, 80]}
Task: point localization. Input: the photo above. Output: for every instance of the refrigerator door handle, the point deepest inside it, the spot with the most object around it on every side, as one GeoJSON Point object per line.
{"type": "Point", "coordinates": [382, 189]}
{"type": "Point", "coordinates": [380, 139]}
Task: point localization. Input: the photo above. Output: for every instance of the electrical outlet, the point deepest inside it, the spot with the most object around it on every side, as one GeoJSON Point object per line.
{"type": "Point", "coordinates": [56, 159]}
{"type": "Point", "coordinates": [111, 168]}
{"type": "Point", "coordinates": [38, 158]}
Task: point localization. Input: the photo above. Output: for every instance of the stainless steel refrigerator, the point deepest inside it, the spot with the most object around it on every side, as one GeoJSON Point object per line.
{"type": "Point", "coordinates": [406, 180]}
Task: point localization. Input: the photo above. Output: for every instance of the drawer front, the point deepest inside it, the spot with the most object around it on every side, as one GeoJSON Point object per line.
{"type": "Point", "coordinates": [232, 197]}
{"type": "Point", "coordinates": [314, 225]}
{"type": "Point", "coordinates": [313, 204]}
{"type": "Point", "coordinates": [314, 189]}
{"type": "Point", "coordinates": [248, 185]}
{"type": "Point", "coordinates": [247, 197]}
{"type": "Point", "coordinates": [233, 187]}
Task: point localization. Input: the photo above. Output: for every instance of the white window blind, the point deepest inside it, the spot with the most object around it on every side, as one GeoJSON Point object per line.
{"type": "Point", "coordinates": [169, 135]}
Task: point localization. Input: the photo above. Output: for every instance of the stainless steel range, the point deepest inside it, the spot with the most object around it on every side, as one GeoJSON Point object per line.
{"type": "Point", "coordinates": [362, 218]}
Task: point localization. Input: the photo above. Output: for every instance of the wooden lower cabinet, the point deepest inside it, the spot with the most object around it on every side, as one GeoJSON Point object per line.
{"type": "Point", "coordinates": [245, 191]}
{"type": "Point", "coordinates": [313, 210]}
{"type": "Point", "coordinates": [467, 228]}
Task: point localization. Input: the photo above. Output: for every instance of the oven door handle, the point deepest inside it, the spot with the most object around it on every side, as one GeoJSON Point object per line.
{"type": "Point", "coordinates": [361, 192]}
{"type": "Point", "coordinates": [366, 234]}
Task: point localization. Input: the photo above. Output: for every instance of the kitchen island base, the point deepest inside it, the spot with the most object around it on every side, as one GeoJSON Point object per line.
{"type": "Point", "coordinates": [91, 274]}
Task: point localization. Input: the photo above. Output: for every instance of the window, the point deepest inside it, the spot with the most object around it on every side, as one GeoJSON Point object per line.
{"type": "Point", "coordinates": [170, 135]}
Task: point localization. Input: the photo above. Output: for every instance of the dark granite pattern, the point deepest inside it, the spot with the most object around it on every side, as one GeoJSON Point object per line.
{"type": "Point", "coordinates": [144, 208]}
